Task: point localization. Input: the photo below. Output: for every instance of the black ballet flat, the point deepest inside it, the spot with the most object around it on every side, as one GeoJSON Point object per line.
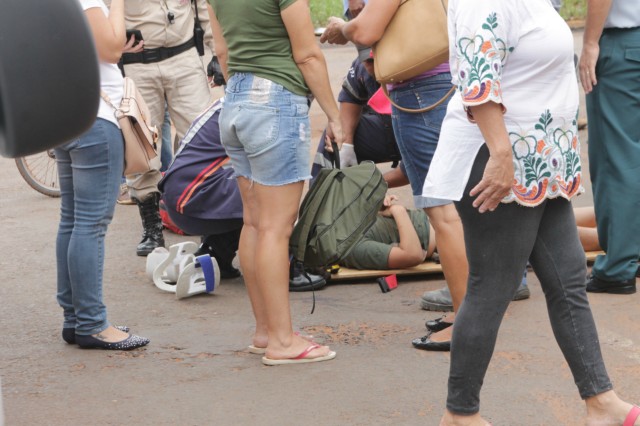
{"type": "Point", "coordinates": [69, 334]}
{"type": "Point", "coordinates": [131, 342]}
{"type": "Point", "coordinates": [427, 344]}
{"type": "Point", "coordinates": [437, 324]}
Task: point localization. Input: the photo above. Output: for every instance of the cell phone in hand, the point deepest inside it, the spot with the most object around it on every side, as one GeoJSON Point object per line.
{"type": "Point", "coordinates": [136, 33]}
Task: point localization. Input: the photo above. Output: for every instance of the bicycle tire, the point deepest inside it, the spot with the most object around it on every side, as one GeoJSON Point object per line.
{"type": "Point", "coordinates": [40, 172]}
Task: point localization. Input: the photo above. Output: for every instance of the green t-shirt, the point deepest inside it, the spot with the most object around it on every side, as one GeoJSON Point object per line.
{"type": "Point", "coordinates": [258, 42]}
{"type": "Point", "coordinates": [372, 252]}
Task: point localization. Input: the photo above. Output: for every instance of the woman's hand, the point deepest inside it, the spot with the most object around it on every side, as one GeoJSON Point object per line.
{"type": "Point", "coordinates": [495, 184]}
{"type": "Point", "coordinates": [132, 47]}
{"type": "Point", "coordinates": [334, 134]}
{"type": "Point", "coordinates": [333, 32]}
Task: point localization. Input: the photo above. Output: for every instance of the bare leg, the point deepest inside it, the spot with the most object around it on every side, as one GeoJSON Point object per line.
{"type": "Point", "coordinates": [586, 221]}
{"type": "Point", "coordinates": [453, 257]}
{"type": "Point", "coordinates": [585, 216]}
{"type": "Point", "coordinates": [589, 238]}
{"type": "Point", "coordinates": [270, 212]}
{"type": "Point", "coordinates": [246, 255]}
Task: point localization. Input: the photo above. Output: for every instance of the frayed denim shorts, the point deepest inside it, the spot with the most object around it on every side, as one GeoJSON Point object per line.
{"type": "Point", "coordinates": [265, 130]}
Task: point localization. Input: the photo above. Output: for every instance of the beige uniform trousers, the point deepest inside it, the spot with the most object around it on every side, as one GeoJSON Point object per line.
{"type": "Point", "coordinates": [183, 81]}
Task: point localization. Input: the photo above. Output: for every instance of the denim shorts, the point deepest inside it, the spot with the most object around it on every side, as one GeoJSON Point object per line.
{"type": "Point", "coordinates": [417, 134]}
{"type": "Point", "coordinates": [265, 130]}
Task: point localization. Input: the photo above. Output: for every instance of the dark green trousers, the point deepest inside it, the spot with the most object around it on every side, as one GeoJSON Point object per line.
{"type": "Point", "coordinates": [613, 109]}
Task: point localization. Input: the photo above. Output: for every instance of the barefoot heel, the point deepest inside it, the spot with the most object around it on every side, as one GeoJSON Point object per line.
{"type": "Point", "coordinates": [301, 358]}
{"type": "Point", "coordinates": [633, 415]}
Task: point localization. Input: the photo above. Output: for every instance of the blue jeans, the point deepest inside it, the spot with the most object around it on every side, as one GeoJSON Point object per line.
{"type": "Point", "coordinates": [265, 131]}
{"type": "Point", "coordinates": [89, 169]}
{"type": "Point", "coordinates": [417, 134]}
{"type": "Point", "coordinates": [498, 245]}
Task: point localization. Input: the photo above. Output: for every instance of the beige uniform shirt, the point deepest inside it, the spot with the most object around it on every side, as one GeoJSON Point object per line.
{"type": "Point", "coordinates": [151, 17]}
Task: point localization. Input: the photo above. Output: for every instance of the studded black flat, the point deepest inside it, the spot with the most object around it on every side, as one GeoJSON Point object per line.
{"type": "Point", "coordinates": [69, 334]}
{"type": "Point", "coordinates": [131, 342]}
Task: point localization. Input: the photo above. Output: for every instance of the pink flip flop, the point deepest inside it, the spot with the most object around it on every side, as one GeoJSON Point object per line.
{"type": "Point", "coordinates": [633, 415]}
{"type": "Point", "coordinates": [300, 359]}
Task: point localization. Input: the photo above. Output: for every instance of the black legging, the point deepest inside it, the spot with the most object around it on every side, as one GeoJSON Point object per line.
{"type": "Point", "coordinates": [498, 245]}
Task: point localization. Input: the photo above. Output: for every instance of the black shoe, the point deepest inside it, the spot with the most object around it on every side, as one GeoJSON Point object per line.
{"type": "Point", "coordinates": [304, 280]}
{"type": "Point", "coordinates": [437, 324]}
{"type": "Point", "coordinates": [69, 334]}
{"type": "Point", "coordinates": [152, 236]}
{"type": "Point", "coordinates": [427, 344]}
{"type": "Point", "coordinates": [131, 342]}
{"type": "Point", "coordinates": [229, 273]}
{"type": "Point", "coordinates": [596, 285]}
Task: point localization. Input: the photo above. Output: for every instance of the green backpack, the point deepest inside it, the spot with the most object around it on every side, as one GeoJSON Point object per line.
{"type": "Point", "coordinates": [339, 208]}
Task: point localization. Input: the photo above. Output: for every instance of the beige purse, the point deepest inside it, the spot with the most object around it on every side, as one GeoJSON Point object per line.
{"type": "Point", "coordinates": [415, 41]}
{"type": "Point", "coordinates": [140, 138]}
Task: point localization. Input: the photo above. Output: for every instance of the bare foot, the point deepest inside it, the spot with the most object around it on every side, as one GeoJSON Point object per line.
{"type": "Point", "coordinates": [449, 318]}
{"type": "Point", "coordinates": [607, 409]}
{"type": "Point", "coordinates": [442, 335]}
{"type": "Point", "coordinates": [298, 344]}
{"type": "Point", "coordinates": [111, 335]}
{"type": "Point", "coordinates": [450, 419]}
{"type": "Point", "coordinates": [262, 340]}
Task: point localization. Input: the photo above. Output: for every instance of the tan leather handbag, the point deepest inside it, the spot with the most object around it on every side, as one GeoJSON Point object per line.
{"type": "Point", "coordinates": [140, 137]}
{"type": "Point", "coordinates": [415, 41]}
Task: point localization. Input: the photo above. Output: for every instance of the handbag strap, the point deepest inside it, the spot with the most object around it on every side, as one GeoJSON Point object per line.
{"type": "Point", "coordinates": [419, 110]}
{"type": "Point", "coordinates": [106, 98]}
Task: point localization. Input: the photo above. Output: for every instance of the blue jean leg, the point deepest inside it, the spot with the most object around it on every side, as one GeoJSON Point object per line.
{"type": "Point", "coordinates": [89, 169]}
{"type": "Point", "coordinates": [417, 134]}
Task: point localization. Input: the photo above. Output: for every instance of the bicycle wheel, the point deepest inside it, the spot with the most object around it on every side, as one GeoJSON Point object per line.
{"type": "Point", "coordinates": [40, 172]}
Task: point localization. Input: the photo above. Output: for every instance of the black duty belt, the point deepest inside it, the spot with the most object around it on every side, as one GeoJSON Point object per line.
{"type": "Point", "coordinates": [149, 56]}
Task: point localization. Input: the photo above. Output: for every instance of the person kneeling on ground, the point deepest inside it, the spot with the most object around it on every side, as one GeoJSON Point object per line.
{"type": "Point", "coordinates": [201, 196]}
{"type": "Point", "coordinates": [368, 133]}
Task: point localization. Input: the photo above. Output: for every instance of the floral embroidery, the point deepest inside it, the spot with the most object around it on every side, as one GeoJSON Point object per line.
{"type": "Point", "coordinates": [546, 162]}
{"type": "Point", "coordinates": [481, 58]}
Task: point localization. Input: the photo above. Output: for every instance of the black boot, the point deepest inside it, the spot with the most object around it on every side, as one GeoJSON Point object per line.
{"type": "Point", "coordinates": [304, 280]}
{"type": "Point", "coordinates": [151, 223]}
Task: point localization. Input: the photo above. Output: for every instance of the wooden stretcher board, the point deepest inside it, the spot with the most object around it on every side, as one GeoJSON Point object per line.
{"type": "Point", "coordinates": [428, 267]}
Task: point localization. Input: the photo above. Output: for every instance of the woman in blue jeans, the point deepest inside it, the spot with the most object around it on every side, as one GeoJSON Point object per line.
{"type": "Point", "coordinates": [90, 169]}
{"type": "Point", "coordinates": [417, 137]}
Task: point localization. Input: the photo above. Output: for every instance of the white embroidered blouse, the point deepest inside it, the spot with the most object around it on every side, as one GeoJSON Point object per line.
{"type": "Point", "coordinates": [518, 53]}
